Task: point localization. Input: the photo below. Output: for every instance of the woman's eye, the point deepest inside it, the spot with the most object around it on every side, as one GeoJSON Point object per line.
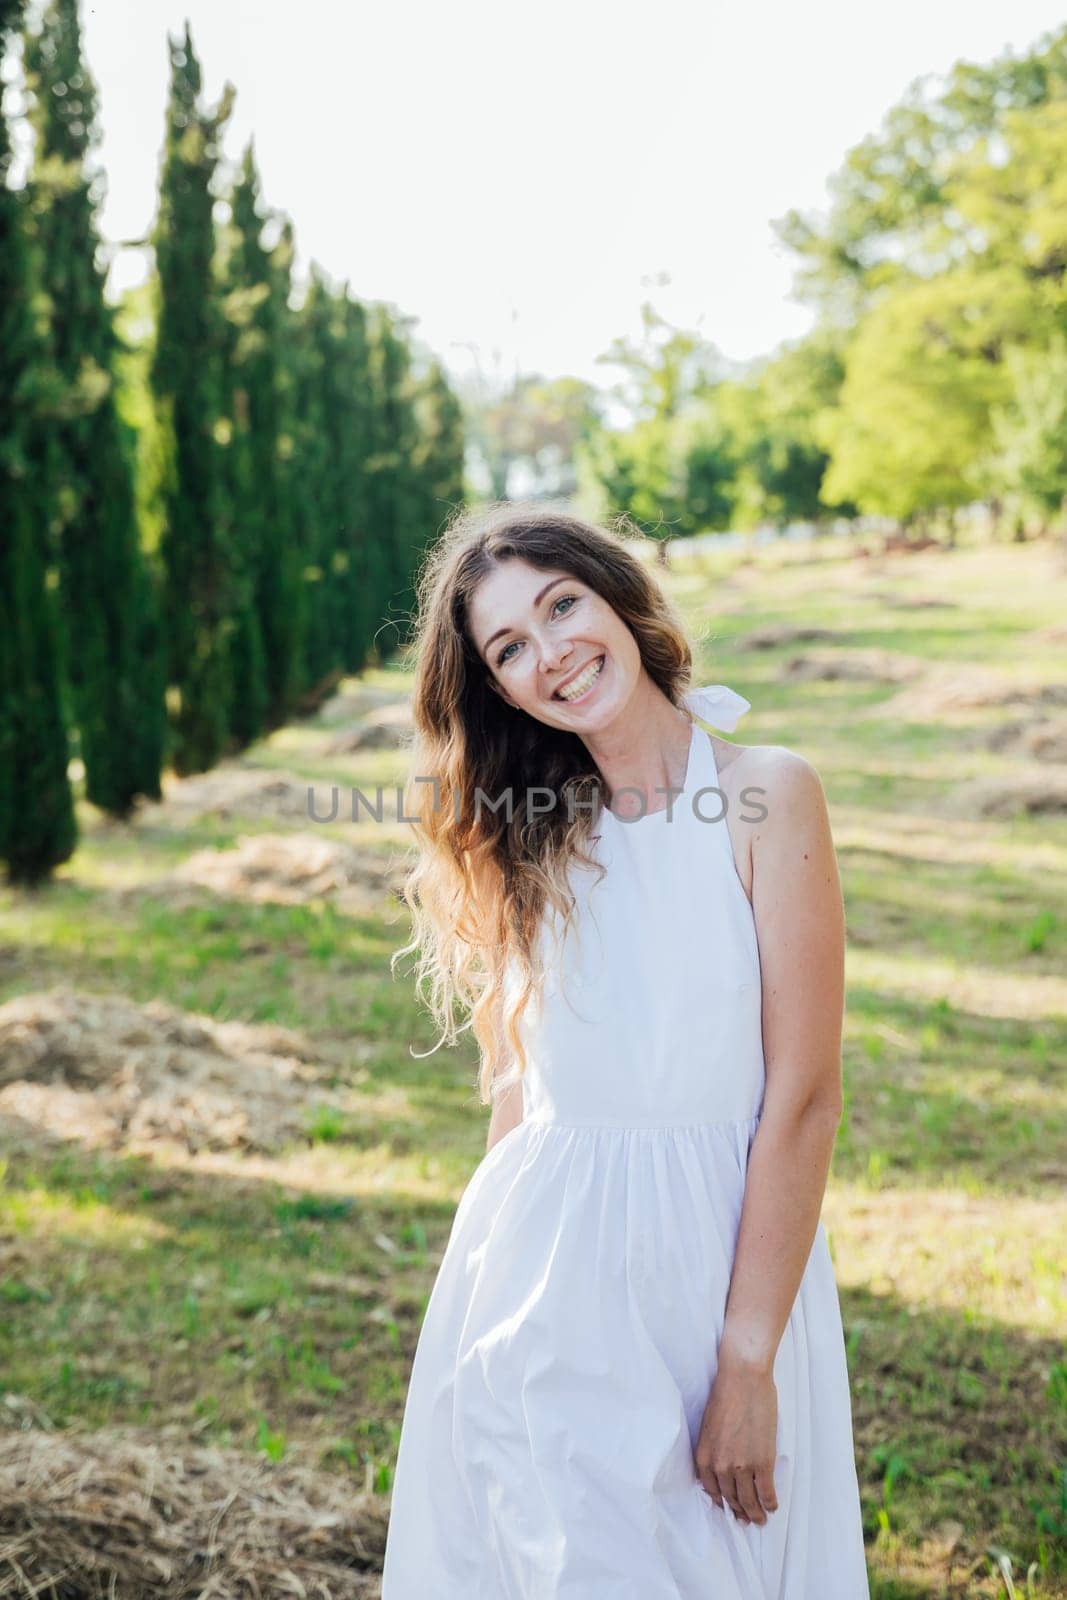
{"type": "Point", "coordinates": [503, 656]}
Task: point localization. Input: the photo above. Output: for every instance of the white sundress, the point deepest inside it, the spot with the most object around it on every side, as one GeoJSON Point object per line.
{"type": "Point", "coordinates": [569, 1344]}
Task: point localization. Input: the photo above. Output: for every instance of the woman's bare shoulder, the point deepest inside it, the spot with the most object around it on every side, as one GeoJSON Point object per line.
{"type": "Point", "coordinates": [770, 763]}
{"type": "Point", "coordinates": [773, 795]}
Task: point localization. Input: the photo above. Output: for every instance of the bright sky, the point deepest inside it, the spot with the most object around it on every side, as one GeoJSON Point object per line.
{"type": "Point", "coordinates": [518, 178]}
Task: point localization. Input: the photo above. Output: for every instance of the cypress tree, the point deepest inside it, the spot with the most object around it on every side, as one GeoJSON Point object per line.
{"type": "Point", "coordinates": [440, 453]}
{"type": "Point", "coordinates": [311, 468]}
{"type": "Point", "coordinates": [355, 442]}
{"type": "Point", "coordinates": [299, 552]}
{"type": "Point", "coordinates": [244, 508]}
{"type": "Point", "coordinates": [106, 598]}
{"type": "Point", "coordinates": [37, 822]}
{"type": "Point", "coordinates": [200, 579]}
{"type": "Point", "coordinates": [255, 311]}
{"type": "Point", "coordinates": [330, 468]}
{"type": "Point", "coordinates": [394, 492]}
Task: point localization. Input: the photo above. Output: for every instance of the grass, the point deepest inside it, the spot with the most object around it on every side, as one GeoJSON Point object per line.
{"type": "Point", "coordinates": [258, 1300]}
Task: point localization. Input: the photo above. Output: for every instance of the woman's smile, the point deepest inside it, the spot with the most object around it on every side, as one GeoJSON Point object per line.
{"type": "Point", "coordinates": [581, 686]}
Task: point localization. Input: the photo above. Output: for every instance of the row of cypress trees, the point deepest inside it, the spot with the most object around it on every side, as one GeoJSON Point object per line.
{"type": "Point", "coordinates": [37, 823]}
{"type": "Point", "coordinates": [301, 465]}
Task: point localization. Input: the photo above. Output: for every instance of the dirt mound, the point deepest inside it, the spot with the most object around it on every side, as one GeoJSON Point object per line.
{"type": "Point", "coordinates": [859, 666]}
{"type": "Point", "coordinates": [357, 700]}
{"type": "Point", "coordinates": [116, 1513]}
{"type": "Point", "coordinates": [293, 868]}
{"type": "Point", "coordinates": [1026, 794]}
{"type": "Point", "coordinates": [388, 728]}
{"type": "Point", "coordinates": [1055, 633]}
{"type": "Point", "coordinates": [110, 1074]}
{"type": "Point", "coordinates": [771, 637]}
{"type": "Point", "coordinates": [230, 791]}
{"type": "Point", "coordinates": [909, 544]}
{"type": "Point", "coordinates": [947, 690]}
{"type": "Point", "coordinates": [911, 602]}
{"type": "Point", "coordinates": [1043, 740]}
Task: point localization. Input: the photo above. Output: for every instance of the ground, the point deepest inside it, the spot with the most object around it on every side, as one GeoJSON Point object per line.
{"type": "Point", "coordinates": [227, 1178]}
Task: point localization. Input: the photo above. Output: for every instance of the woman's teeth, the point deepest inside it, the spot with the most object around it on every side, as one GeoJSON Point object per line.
{"type": "Point", "coordinates": [575, 690]}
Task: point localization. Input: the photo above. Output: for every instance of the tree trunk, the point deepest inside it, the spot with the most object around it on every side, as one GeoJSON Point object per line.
{"type": "Point", "coordinates": [996, 514]}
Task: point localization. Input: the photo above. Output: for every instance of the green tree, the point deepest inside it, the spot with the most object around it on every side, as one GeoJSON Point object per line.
{"type": "Point", "coordinates": [339, 465]}
{"type": "Point", "coordinates": [912, 431]}
{"type": "Point", "coordinates": [135, 327]}
{"type": "Point", "coordinates": [312, 470]}
{"type": "Point", "coordinates": [1010, 190]}
{"type": "Point", "coordinates": [108, 606]}
{"type": "Point", "coordinates": [664, 370]}
{"type": "Point", "coordinates": [392, 533]}
{"type": "Point", "coordinates": [1030, 432]}
{"type": "Point", "coordinates": [256, 283]}
{"type": "Point", "coordinates": [536, 422]}
{"type": "Point", "coordinates": [37, 822]}
{"type": "Point", "coordinates": [197, 554]}
{"type": "Point", "coordinates": [366, 453]}
{"type": "Point", "coordinates": [711, 469]}
{"type": "Point", "coordinates": [893, 214]}
{"type": "Point", "coordinates": [798, 384]}
{"type": "Point", "coordinates": [442, 441]}
{"type": "Point", "coordinates": [641, 474]}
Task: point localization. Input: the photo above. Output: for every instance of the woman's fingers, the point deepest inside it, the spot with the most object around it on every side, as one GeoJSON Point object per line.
{"type": "Point", "coordinates": [731, 1489]}
{"type": "Point", "coordinates": [765, 1489]}
{"type": "Point", "coordinates": [750, 1500]}
{"type": "Point", "coordinates": [750, 1494]}
{"type": "Point", "coordinates": [711, 1484]}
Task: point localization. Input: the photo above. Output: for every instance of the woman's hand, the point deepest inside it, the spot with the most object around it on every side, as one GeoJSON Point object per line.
{"type": "Point", "coordinates": [736, 1448]}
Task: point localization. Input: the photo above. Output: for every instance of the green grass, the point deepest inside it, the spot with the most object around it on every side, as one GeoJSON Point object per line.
{"type": "Point", "coordinates": [260, 1300]}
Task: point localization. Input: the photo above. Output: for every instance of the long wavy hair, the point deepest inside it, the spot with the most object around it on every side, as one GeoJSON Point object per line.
{"type": "Point", "coordinates": [481, 882]}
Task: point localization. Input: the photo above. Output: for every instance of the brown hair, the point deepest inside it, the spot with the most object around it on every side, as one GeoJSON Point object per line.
{"type": "Point", "coordinates": [480, 883]}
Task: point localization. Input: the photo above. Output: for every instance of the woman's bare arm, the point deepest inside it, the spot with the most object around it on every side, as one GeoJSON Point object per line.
{"type": "Point", "coordinates": [800, 924]}
{"type": "Point", "coordinates": [796, 898]}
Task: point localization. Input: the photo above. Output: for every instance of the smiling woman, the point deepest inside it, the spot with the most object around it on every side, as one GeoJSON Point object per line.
{"type": "Point", "coordinates": [630, 1381]}
{"type": "Point", "coordinates": [572, 649]}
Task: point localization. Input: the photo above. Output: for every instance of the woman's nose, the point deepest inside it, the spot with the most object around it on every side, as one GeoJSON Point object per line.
{"type": "Point", "coordinates": [554, 657]}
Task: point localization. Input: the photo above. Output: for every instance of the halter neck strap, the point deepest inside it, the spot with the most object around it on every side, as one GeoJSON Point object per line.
{"type": "Point", "coordinates": [716, 703]}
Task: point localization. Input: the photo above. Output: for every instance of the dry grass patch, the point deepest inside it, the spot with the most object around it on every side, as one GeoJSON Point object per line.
{"type": "Point", "coordinates": [911, 602]}
{"type": "Point", "coordinates": [120, 1513]}
{"type": "Point", "coordinates": [355, 700]}
{"type": "Point", "coordinates": [1042, 739]}
{"type": "Point", "coordinates": [870, 665]}
{"type": "Point", "coordinates": [1018, 794]}
{"type": "Point", "coordinates": [946, 690]}
{"type": "Point", "coordinates": [110, 1074]}
{"type": "Point", "coordinates": [390, 727]}
{"type": "Point", "coordinates": [775, 635]}
{"type": "Point", "coordinates": [228, 791]}
{"type": "Point", "coordinates": [292, 869]}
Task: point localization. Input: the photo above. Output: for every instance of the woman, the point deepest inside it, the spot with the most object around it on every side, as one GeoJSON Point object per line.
{"type": "Point", "coordinates": [630, 1381]}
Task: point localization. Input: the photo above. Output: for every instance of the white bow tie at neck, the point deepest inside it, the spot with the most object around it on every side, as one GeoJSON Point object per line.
{"type": "Point", "coordinates": [715, 703]}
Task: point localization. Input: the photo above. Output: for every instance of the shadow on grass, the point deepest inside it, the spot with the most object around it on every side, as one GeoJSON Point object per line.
{"type": "Point", "coordinates": [135, 1293]}
{"type": "Point", "coordinates": [946, 1096]}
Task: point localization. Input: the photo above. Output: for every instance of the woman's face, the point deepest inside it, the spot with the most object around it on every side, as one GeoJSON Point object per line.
{"type": "Point", "coordinates": [539, 631]}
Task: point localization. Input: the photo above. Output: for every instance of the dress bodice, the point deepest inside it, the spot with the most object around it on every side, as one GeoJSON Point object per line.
{"type": "Point", "coordinates": [651, 1009]}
